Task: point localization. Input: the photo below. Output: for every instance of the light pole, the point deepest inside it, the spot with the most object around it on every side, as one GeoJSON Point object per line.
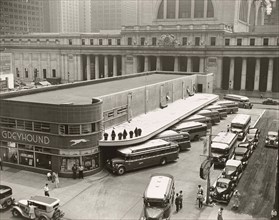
{"type": "Point", "coordinates": [68, 77]}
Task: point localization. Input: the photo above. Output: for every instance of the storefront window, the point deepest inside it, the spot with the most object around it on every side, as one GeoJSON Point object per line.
{"type": "Point", "coordinates": [91, 162]}
{"type": "Point", "coordinates": [26, 158]}
{"type": "Point", "coordinates": [67, 163]}
{"type": "Point", "coordinates": [43, 161]}
{"type": "Point", "coordinates": [8, 152]}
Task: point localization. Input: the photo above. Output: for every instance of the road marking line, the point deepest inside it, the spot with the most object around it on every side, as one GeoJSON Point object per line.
{"type": "Point", "coordinates": [259, 118]}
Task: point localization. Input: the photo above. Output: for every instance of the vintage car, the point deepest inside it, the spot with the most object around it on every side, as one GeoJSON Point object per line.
{"type": "Point", "coordinates": [46, 208]}
{"type": "Point", "coordinates": [233, 170]}
{"type": "Point", "coordinates": [242, 154]}
{"type": "Point", "coordinates": [270, 101]}
{"type": "Point", "coordinates": [6, 199]}
{"type": "Point", "coordinates": [253, 134]}
{"type": "Point", "coordinates": [271, 139]}
{"type": "Point", "coordinates": [222, 190]}
{"type": "Point", "coordinates": [248, 145]}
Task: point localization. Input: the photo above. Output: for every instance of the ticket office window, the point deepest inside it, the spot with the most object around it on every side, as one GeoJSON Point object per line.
{"type": "Point", "coordinates": [43, 161]}
{"type": "Point", "coordinates": [26, 158]}
{"type": "Point", "coordinates": [68, 163]}
{"type": "Point", "coordinates": [91, 162]}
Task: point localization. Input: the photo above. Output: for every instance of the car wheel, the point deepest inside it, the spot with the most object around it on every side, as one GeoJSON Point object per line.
{"type": "Point", "coordinates": [4, 205]}
{"type": "Point", "coordinates": [121, 170]}
{"type": "Point", "coordinates": [163, 161]}
{"type": "Point", "coordinates": [16, 213]}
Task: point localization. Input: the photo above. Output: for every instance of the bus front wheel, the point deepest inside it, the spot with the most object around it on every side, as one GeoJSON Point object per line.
{"type": "Point", "coordinates": [121, 171]}
{"type": "Point", "coordinates": [163, 161]}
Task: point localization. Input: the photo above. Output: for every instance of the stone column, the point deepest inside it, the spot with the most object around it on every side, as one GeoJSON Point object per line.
{"type": "Point", "coordinates": [62, 67]}
{"type": "Point", "coordinates": [88, 70]}
{"type": "Point", "coordinates": [175, 68]}
{"type": "Point", "coordinates": [114, 66]}
{"type": "Point", "coordinates": [67, 73]}
{"type": "Point", "coordinates": [176, 9]}
{"type": "Point", "coordinates": [97, 72]}
{"type": "Point", "coordinates": [257, 75]}
{"type": "Point", "coordinates": [189, 64]}
{"type": "Point", "coordinates": [106, 66]}
{"type": "Point", "coordinates": [165, 9]}
{"type": "Point", "coordinates": [123, 65]}
{"type": "Point", "coordinates": [243, 73]}
{"type": "Point", "coordinates": [135, 64]}
{"type": "Point", "coordinates": [30, 69]}
{"type": "Point", "coordinates": [192, 8]}
{"type": "Point", "coordinates": [270, 75]}
{"type": "Point", "coordinates": [146, 63]}
{"type": "Point", "coordinates": [48, 65]}
{"type": "Point", "coordinates": [58, 69]}
{"type": "Point", "coordinates": [219, 72]}
{"type": "Point", "coordinates": [22, 72]}
{"type": "Point", "coordinates": [79, 68]}
{"type": "Point", "coordinates": [231, 78]}
{"type": "Point", "coordinates": [205, 8]}
{"type": "Point", "coordinates": [158, 63]}
{"type": "Point", "coordinates": [40, 71]}
{"type": "Point", "coordinates": [201, 67]}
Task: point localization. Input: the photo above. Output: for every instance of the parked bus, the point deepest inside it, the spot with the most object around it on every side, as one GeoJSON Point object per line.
{"type": "Point", "coordinates": [182, 138]}
{"type": "Point", "coordinates": [231, 106]}
{"type": "Point", "coordinates": [195, 129]}
{"type": "Point", "coordinates": [198, 118]}
{"type": "Point", "coordinates": [158, 197]}
{"type": "Point", "coordinates": [150, 153]}
{"type": "Point", "coordinates": [212, 114]}
{"type": "Point", "coordinates": [243, 101]}
{"type": "Point", "coordinates": [222, 110]}
{"type": "Point", "coordinates": [222, 147]}
{"type": "Point", "coordinates": [240, 125]}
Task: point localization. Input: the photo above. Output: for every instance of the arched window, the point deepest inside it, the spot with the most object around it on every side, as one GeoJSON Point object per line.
{"type": "Point", "coordinates": [260, 14]}
{"type": "Point", "coordinates": [161, 11]}
{"type": "Point", "coordinates": [171, 8]}
{"type": "Point", "coordinates": [243, 10]}
{"type": "Point", "coordinates": [199, 8]}
{"type": "Point", "coordinates": [252, 14]}
{"type": "Point", "coordinates": [184, 9]}
{"type": "Point", "coordinates": [210, 9]}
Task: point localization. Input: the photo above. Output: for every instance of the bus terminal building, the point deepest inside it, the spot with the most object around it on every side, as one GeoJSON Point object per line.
{"type": "Point", "coordinates": [54, 127]}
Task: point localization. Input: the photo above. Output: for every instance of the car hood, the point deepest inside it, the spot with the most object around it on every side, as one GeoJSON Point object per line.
{"type": "Point", "coordinates": [237, 130]}
{"type": "Point", "coordinates": [153, 212]}
{"type": "Point", "coordinates": [220, 190]}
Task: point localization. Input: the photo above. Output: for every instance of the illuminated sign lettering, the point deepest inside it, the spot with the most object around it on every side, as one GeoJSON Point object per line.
{"type": "Point", "coordinates": [32, 138]}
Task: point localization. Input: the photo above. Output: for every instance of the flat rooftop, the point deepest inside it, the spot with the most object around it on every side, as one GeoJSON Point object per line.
{"type": "Point", "coordinates": [83, 94]}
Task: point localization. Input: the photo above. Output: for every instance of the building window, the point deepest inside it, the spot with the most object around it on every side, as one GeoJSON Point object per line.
{"type": "Point", "coordinates": [213, 41]}
{"type": "Point", "coordinates": [265, 41]}
{"type": "Point", "coordinates": [197, 41]}
{"type": "Point", "coordinates": [42, 127]}
{"type": "Point", "coordinates": [154, 41]}
{"type": "Point", "coordinates": [26, 73]}
{"type": "Point", "coordinates": [53, 72]}
{"type": "Point", "coordinates": [142, 41]}
{"type": "Point", "coordinates": [7, 123]}
{"type": "Point", "coordinates": [91, 42]}
{"type": "Point", "coordinates": [184, 41]}
{"type": "Point", "coordinates": [100, 41]}
{"type": "Point", "coordinates": [252, 42]}
{"type": "Point", "coordinates": [238, 42]}
{"type": "Point", "coordinates": [109, 41]}
{"type": "Point", "coordinates": [83, 41]}
{"type": "Point", "coordinates": [118, 42]}
{"type": "Point", "coordinates": [129, 41]}
{"type": "Point", "coordinates": [44, 73]}
{"type": "Point", "coordinates": [70, 42]}
{"type": "Point", "coordinates": [227, 42]}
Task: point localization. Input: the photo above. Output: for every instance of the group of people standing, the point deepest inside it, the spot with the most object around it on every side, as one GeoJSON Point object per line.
{"type": "Point", "coordinates": [77, 170]}
{"type": "Point", "coordinates": [137, 132]}
{"type": "Point", "coordinates": [178, 201]}
{"type": "Point", "coordinates": [53, 177]}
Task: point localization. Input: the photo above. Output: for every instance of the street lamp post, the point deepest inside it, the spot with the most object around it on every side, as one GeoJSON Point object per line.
{"type": "Point", "coordinates": [209, 158]}
{"type": "Point", "coordinates": [68, 77]}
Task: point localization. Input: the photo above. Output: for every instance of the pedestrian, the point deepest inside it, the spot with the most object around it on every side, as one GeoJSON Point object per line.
{"type": "Point", "coordinates": [273, 214]}
{"type": "Point", "coordinates": [220, 213]}
{"type": "Point", "coordinates": [200, 196]}
{"type": "Point", "coordinates": [56, 179]}
{"type": "Point", "coordinates": [176, 201]}
{"type": "Point", "coordinates": [180, 199]}
{"type": "Point", "coordinates": [136, 132]}
{"type": "Point", "coordinates": [228, 128]}
{"type": "Point", "coordinates": [113, 135]}
{"type": "Point", "coordinates": [46, 190]}
{"type": "Point", "coordinates": [74, 169]}
{"type": "Point", "coordinates": [49, 176]}
{"type": "Point", "coordinates": [131, 133]}
{"type": "Point", "coordinates": [236, 196]}
{"type": "Point", "coordinates": [31, 211]}
{"type": "Point", "coordinates": [125, 134]}
{"type": "Point", "coordinates": [1, 164]}
{"type": "Point", "coordinates": [80, 172]}
{"type": "Point", "coordinates": [139, 132]}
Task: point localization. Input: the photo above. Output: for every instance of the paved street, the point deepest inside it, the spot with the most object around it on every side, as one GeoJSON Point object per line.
{"type": "Point", "coordinates": [105, 196]}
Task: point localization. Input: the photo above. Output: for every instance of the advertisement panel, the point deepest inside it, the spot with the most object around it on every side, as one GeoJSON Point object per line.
{"type": "Point", "coordinates": [5, 63]}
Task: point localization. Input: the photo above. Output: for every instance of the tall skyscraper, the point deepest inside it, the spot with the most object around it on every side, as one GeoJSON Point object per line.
{"type": "Point", "coordinates": [22, 16]}
{"type": "Point", "coordinates": [85, 16]}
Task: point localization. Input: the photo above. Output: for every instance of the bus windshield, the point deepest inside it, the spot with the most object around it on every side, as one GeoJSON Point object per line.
{"type": "Point", "coordinates": [219, 151]}
{"type": "Point", "coordinates": [153, 203]}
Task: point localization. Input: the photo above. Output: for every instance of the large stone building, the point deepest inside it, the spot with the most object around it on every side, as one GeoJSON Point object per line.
{"type": "Point", "coordinates": [226, 38]}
